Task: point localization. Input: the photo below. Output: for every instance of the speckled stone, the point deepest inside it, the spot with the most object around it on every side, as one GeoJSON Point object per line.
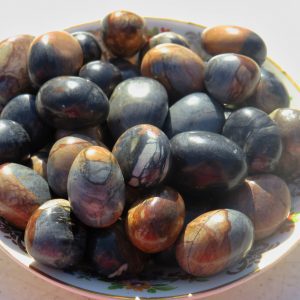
{"type": "Point", "coordinates": [96, 187]}
{"type": "Point", "coordinates": [53, 54]}
{"type": "Point", "coordinates": [61, 157]}
{"type": "Point", "coordinates": [177, 68]}
{"type": "Point", "coordinates": [69, 102]}
{"type": "Point", "coordinates": [154, 223]}
{"type": "Point", "coordinates": [288, 122]}
{"type": "Point", "coordinates": [259, 137]}
{"type": "Point", "coordinates": [14, 77]}
{"type": "Point", "coordinates": [265, 199]}
{"type": "Point", "coordinates": [136, 101]}
{"type": "Point", "coordinates": [234, 39]}
{"type": "Point", "coordinates": [144, 155]}
{"type": "Point", "coordinates": [104, 74]}
{"type": "Point", "coordinates": [231, 78]}
{"type": "Point", "coordinates": [269, 94]}
{"type": "Point", "coordinates": [54, 237]}
{"type": "Point", "coordinates": [123, 33]}
{"type": "Point", "coordinates": [89, 44]}
{"type": "Point", "coordinates": [22, 190]}
{"type": "Point", "coordinates": [15, 142]}
{"type": "Point", "coordinates": [22, 110]}
{"type": "Point", "coordinates": [196, 111]}
{"type": "Point", "coordinates": [200, 161]}
{"type": "Point", "coordinates": [214, 241]}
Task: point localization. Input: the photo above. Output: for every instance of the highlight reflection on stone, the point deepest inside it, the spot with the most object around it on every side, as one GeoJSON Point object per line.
{"type": "Point", "coordinates": [53, 54]}
{"type": "Point", "coordinates": [177, 68]}
{"type": "Point", "coordinates": [234, 39]}
{"type": "Point", "coordinates": [231, 78]}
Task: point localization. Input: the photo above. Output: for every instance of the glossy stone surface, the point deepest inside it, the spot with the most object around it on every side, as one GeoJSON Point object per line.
{"type": "Point", "coordinates": [89, 45]}
{"type": "Point", "coordinates": [231, 78]}
{"type": "Point", "coordinates": [38, 162]}
{"type": "Point", "coordinates": [288, 122]}
{"type": "Point", "coordinates": [127, 69]}
{"type": "Point", "coordinates": [265, 199]}
{"type": "Point", "coordinates": [269, 94]}
{"type": "Point", "coordinates": [61, 157]}
{"type": "Point", "coordinates": [104, 74]}
{"type": "Point", "coordinates": [22, 110]}
{"type": "Point", "coordinates": [123, 33]}
{"type": "Point", "coordinates": [258, 136]}
{"type": "Point", "coordinates": [178, 69]}
{"type": "Point", "coordinates": [69, 102]}
{"type": "Point", "coordinates": [15, 142]}
{"type": "Point", "coordinates": [196, 111]}
{"type": "Point", "coordinates": [53, 236]}
{"type": "Point", "coordinates": [136, 101]}
{"type": "Point", "coordinates": [22, 191]}
{"type": "Point", "coordinates": [234, 39]}
{"type": "Point", "coordinates": [154, 223]}
{"type": "Point", "coordinates": [214, 241]}
{"type": "Point", "coordinates": [112, 254]}
{"type": "Point", "coordinates": [14, 77]}
{"type": "Point", "coordinates": [200, 160]}
{"type": "Point", "coordinates": [143, 153]}
{"type": "Point", "coordinates": [96, 187]}
{"type": "Point", "coordinates": [53, 54]}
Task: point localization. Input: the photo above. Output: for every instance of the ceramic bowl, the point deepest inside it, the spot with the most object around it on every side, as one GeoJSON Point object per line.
{"type": "Point", "coordinates": [170, 283]}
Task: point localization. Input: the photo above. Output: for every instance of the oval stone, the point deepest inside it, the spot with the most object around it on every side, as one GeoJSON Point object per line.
{"type": "Point", "coordinates": [96, 187]}
{"type": "Point", "coordinates": [14, 78]}
{"type": "Point", "coordinates": [22, 191]}
{"type": "Point", "coordinates": [144, 155]}
{"type": "Point", "coordinates": [231, 78]}
{"type": "Point", "coordinates": [206, 160]}
{"type": "Point", "coordinates": [214, 241]}
{"type": "Point", "coordinates": [136, 101]}
{"type": "Point", "coordinates": [259, 137]}
{"type": "Point", "coordinates": [234, 39]}
{"type": "Point", "coordinates": [69, 102]}
{"type": "Point", "coordinates": [53, 54]}
{"type": "Point", "coordinates": [177, 68]}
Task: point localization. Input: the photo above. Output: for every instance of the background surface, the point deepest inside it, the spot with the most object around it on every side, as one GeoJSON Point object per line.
{"type": "Point", "coordinates": [277, 22]}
